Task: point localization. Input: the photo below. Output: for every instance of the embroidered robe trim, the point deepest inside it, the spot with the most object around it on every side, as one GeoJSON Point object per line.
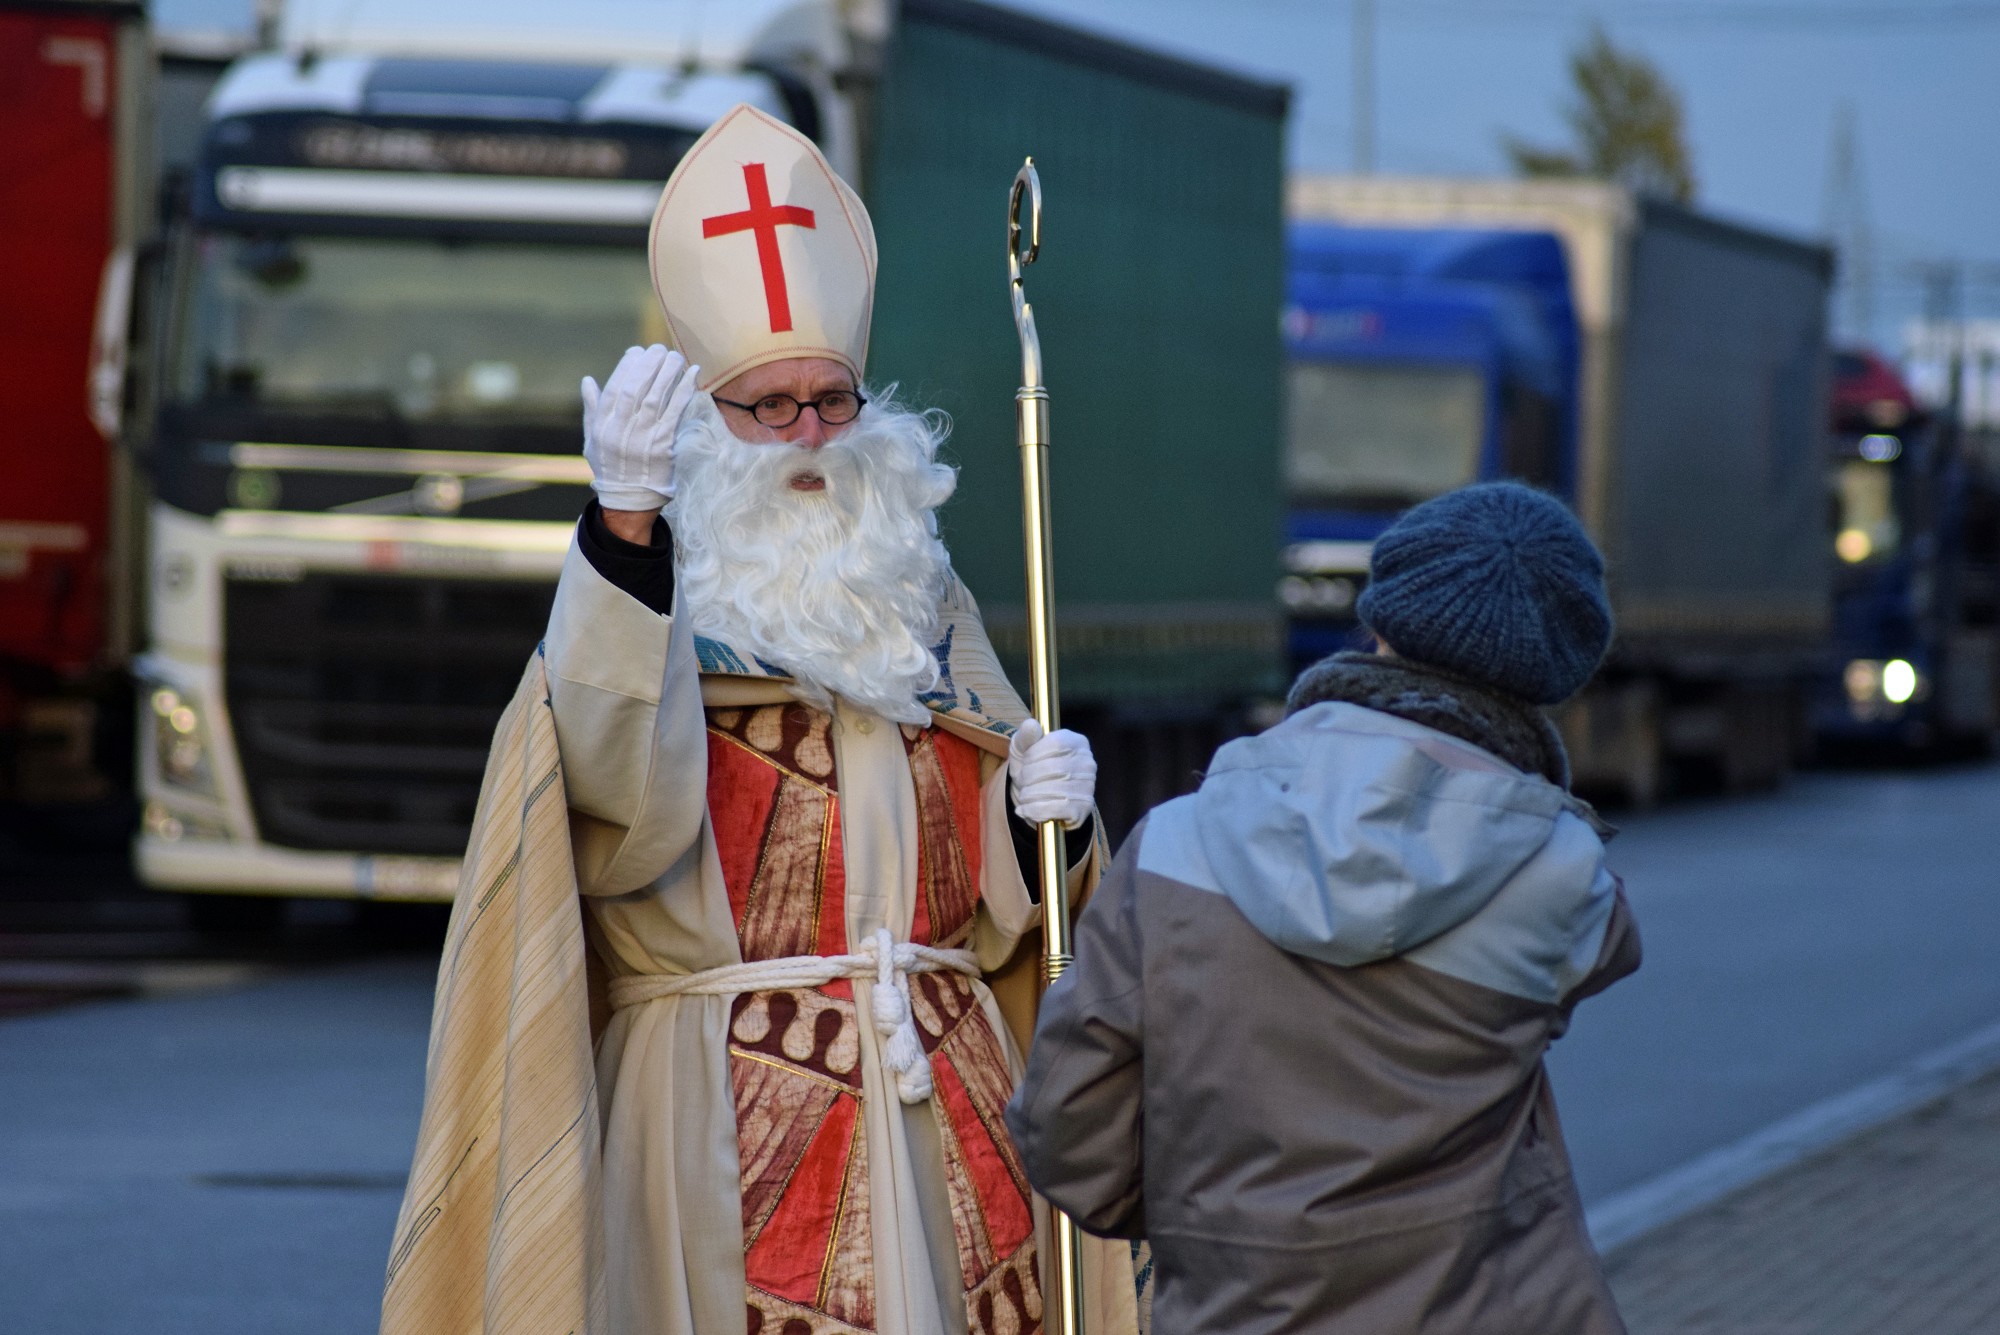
{"type": "Point", "coordinates": [794, 1054]}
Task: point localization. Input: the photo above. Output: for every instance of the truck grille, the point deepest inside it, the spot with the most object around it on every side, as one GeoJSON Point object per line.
{"type": "Point", "coordinates": [363, 705]}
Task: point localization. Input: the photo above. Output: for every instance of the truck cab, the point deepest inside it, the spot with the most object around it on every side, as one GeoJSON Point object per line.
{"type": "Point", "coordinates": [380, 291]}
{"type": "Point", "coordinates": [1916, 534]}
{"type": "Point", "coordinates": [1420, 361]}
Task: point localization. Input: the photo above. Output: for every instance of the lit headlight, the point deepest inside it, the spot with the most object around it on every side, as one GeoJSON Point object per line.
{"type": "Point", "coordinates": [180, 741]}
{"type": "Point", "coordinates": [1879, 689]}
{"type": "Point", "coordinates": [1899, 682]}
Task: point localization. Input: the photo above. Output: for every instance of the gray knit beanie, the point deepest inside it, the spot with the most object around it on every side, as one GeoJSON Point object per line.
{"type": "Point", "coordinates": [1496, 582]}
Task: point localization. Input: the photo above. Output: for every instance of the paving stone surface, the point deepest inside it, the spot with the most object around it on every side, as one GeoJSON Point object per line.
{"type": "Point", "coordinates": [1896, 1231]}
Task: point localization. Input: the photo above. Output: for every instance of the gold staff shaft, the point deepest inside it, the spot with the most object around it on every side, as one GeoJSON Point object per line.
{"type": "Point", "coordinates": [1064, 1305]}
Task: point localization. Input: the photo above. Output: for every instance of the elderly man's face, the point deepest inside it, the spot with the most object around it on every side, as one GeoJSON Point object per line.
{"type": "Point", "coordinates": [803, 379]}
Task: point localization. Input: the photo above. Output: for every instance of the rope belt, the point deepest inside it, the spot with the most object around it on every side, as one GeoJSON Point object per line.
{"type": "Point", "coordinates": [881, 960]}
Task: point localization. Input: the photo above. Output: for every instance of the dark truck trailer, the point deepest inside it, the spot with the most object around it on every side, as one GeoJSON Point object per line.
{"type": "Point", "coordinates": [1157, 296]}
{"type": "Point", "coordinates": [1690, 365]}
{"type": "Point", "coordinates": [365, 448]}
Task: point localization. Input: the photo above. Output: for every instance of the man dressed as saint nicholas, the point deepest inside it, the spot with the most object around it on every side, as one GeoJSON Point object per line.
{"type": "Point", "coordinates": [800, 797]}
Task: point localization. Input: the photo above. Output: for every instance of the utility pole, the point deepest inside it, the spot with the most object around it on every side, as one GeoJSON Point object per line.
{"type": "Point", "coordinates": [1364, 87]}
{"type": "Point", "coordinates": [1844, 221]}
{"type": "Point", "coordinates": [269, 16]}
{"type": "Point", "coordinates": [1943, 282]}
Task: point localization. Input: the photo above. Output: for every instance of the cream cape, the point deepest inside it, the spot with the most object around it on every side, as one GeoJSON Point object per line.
{"type": "Point", "coordinates": [557, 1190]}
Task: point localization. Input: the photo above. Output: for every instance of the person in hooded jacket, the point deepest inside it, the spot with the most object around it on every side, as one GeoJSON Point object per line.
{"type": "Point", "coordinates": [1300, 1048]}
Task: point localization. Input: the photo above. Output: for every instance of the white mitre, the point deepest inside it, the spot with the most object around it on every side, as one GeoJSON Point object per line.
{"type": "Point", "coordinates": [760, 252]}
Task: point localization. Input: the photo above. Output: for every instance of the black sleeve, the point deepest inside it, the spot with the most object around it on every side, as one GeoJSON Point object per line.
{"type": "Point", "coordinates": [647, 573]}
{"type": "Point", "coordinates": [1027, 847]}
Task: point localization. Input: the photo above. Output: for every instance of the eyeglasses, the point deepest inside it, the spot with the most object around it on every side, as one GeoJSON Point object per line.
{"type": "Point", "coordinates": [835, 408]}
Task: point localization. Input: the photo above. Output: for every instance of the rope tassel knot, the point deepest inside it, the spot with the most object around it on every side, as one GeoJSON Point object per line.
{"type": "Point", "coordinates": [902, 1050]}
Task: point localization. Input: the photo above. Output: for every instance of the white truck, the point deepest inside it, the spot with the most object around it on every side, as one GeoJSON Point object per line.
{"type": "Point", "coordinates": [410, 232]}
{"type": "Point", "coordinates": [387, 277]}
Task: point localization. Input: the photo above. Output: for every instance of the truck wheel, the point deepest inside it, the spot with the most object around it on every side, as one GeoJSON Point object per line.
{"type": "Point", "coordinates": [1612, 732]}
{"type": "Point", "coordinates": [1757, 744]}
{"type": "Point", "coordinates": [238, 917]}
{"type": "Point", "coordinates": [396, 926]}
{"type": "Point", "coordinates": [1947, 746]}
{"type": "Point", "coordinates": [1145, 758]}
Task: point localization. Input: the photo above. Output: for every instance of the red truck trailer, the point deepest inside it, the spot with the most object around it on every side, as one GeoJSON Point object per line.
{"type": "Point", "coordinates": [72, 205]}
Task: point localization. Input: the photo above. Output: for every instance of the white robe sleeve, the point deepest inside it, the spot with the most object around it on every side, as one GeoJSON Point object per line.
{"type": "Point", "coordinates": [626, 693]}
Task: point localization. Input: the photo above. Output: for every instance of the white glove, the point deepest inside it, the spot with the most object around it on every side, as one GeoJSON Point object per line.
{"type": "Point", "coordinates": [629, 426]}
{"type": "Point", "coordinates": [1054, 775]}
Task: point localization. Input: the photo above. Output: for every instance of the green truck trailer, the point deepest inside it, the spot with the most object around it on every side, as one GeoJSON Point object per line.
{"type": "Point", "coordinates": [351, 554]}
{"type": "Point", "coordinates": [1161, 271]}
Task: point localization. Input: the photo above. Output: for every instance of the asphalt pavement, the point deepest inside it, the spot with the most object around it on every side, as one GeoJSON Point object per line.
{"type": "Point", "coordinates": [223, 1153]}
{"type": "Point", "coordinates": [227, 1163]}
{"type": "Point", "coordinates": [1797, 945]}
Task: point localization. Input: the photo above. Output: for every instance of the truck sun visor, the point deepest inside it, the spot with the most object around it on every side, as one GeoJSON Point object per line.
{"type": "Point", "coordinates": [303, 190]}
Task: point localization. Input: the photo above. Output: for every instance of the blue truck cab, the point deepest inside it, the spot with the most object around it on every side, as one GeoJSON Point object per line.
{"type": "Point", "coordinates": [1421, 359]}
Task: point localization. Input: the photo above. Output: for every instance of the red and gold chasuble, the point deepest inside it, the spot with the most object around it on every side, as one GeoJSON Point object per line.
{"type": "Point", "coordinates": [794, 1056]}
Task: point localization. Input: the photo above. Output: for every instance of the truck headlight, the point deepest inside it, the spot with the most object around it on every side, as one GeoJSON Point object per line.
{"type": "Point", "coordinates": [1863, 679]}
{"type": "Point", "coordinates": [1899, 682]}
{"type": "Point", "coordinates": [180, 741]}
{"type": "Point", "coordinates": [170, 826]}
{"type": "Point", "coordinates": [1878, 688]}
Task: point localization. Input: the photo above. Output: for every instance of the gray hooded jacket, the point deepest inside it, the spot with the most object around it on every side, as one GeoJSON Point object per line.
{"type": "Point", "coordinates": [1301, 1045]}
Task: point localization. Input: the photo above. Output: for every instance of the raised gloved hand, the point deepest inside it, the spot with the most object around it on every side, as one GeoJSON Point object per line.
{"type": "Point", "coordinates": [629, 426]}
{"type": "Point", "coordinates": [1054, 774]}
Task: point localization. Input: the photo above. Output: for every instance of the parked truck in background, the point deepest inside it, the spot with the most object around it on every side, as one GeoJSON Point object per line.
{"type": "Point", "coordinates": [401, 246]}
{"type": "Point", "coordinates": [1421, 359]}
{"type": "Point", "coordinates": [74, 172]}
{"type": "Point", "coordinates": [1662, 371]}
{"type": "Point", "coordinates": [1917, 591]}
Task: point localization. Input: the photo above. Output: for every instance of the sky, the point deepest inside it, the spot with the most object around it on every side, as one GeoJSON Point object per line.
{"type": "Point", "coordinates": [1762, 82]}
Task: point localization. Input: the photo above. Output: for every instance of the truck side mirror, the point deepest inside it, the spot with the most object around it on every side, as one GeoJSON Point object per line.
{"type": "Point", "coordinates": [110, 343]}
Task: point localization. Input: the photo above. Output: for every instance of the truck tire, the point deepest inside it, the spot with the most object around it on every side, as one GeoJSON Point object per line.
{"type": "Point", "coordinates": [1612, 733]}
{"type": "Point", "coordinates": [1145, 758]}
{"type": "Point", "coordinates": [1758, 742]}
{"type": "Point", "coordinates": [236, 917]}
{"type": "Point", "coordinates": [402, 927]}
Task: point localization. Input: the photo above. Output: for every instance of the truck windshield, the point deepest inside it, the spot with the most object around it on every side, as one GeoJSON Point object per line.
{"type": "Point", "coordinates": [424, 330]}
{"type": "Point", "coordinates": [1382, 438]}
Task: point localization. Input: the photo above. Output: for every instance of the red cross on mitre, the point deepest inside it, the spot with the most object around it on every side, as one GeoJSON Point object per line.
{"type": "Point", "coordinates": [763, 219]}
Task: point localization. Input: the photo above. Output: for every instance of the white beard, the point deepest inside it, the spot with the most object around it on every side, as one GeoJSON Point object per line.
{"type": "Point", "coordinates": [839, 587]}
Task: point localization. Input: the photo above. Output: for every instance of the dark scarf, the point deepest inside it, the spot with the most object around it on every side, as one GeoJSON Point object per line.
{"type": "Point", "coordinates": [1509, 727]}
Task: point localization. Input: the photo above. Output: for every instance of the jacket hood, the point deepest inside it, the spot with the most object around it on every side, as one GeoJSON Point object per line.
{"type": "Point", "coordinates": [1348, 835]}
